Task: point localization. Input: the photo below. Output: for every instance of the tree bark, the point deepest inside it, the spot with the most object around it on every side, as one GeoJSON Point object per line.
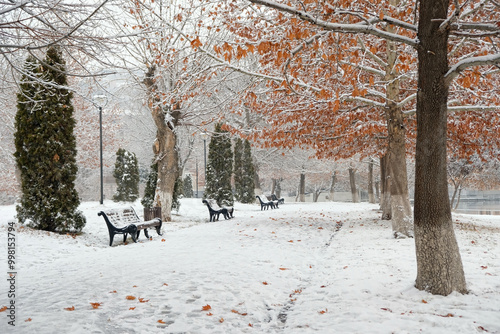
{"type": "Point", "coordinates": [439, 265]}
{"type": "Point", "coordinates": [165, 147]}
{"type": "Point", "coordinates": [302, 187]}
{"type": "Point", "coordinates": [352, 181]}
{"type": "Point", "coordinates": [401, 212]}
{"type": "Point", "coordinates": [256, 179]}
{"type": "Point", "coordinates": [385, 188]}
{"type": "Point", "coordinates": [331, 196]}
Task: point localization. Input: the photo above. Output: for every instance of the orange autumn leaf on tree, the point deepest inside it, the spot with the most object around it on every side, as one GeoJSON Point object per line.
{"type": "Point", "coordinates": [206, 307]}
{"type": "Point", "coordinates": [72, 308]}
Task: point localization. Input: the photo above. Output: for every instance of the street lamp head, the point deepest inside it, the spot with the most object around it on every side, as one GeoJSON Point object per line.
{"type": "Point", "coordinates": [204, 135]}
{"type": "Point", "coordinates": [100, 100]}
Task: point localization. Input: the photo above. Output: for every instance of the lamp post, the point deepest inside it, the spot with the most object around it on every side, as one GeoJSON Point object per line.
{"type": "Point", "coordinates": [100, 101]}
{"type": "Point", "coordinates": [204, 136]}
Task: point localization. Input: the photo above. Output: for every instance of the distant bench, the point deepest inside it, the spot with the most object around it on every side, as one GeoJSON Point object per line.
{"type": "Point", "coordinates": [125, 221]}
{"type": "Point", "coordinates": [266, 204]}
{"type": "Point", "coordinates": [280, 200]}
{"type": "Point", "coordinates": [214, 210]}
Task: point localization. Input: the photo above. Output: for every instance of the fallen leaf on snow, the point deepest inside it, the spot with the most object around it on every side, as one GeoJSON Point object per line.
{"type": "Point", "coordinates": [161, 321]}
{"type": "Point", "coordinates": [221, 320]}
{"type": "Point", "coordinates": [142, 300]}
{"type": "Point", "coordinates": [132, 308]}
{"type": "Point", "coordinates": [95, 305]}
{"type": "Point", "coordinates": [130, 297]}
{"type": "Point", "coordinates": [3, 308]}
{"type": "Point", "coordinates": [206, 307]}
{"type": "Point", "coordinates": [424, 301]}
{"type": "Point", "coordinates": [72, 308]}
{"type": "Point", "coordinates": [28, 320]}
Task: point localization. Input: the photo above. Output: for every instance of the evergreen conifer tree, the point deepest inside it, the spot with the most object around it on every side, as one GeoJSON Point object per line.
{"type": "Point", "coordinates": [238, 169]}
{"type": "Point", "coordinates": [126, 174]}
{"type": "Point", "coordinates": [219, 168]}
{"type": "Point", "coordinates": [243, 172]}
{"type": "Point", "coordinates": [46, 147]}
{"type": "Point", "coordinates": [248, 181]}
{"type": "Point", "coordinates": [188, 186]}
{"type": "Point", "coordinates": [176, 204]}
{"type": "Point", "coordinates": [150, 189]}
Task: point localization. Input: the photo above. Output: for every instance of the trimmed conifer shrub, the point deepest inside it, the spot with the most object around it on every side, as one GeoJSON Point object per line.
{"type": "Point", "coordinates": [126, 174]}
{"type": "Point", "coordinates": [176, 204]}
{"type": "Point", "coordinates": [46, 147]}
{"type": "Point", "coordinates": [247, 180]}
{"type": "Point", "coordinates": [188, 186]}
{"type": "Point", "coordinates": [219, 168]}
{"type": "Point", "coordinates": [149, 191]}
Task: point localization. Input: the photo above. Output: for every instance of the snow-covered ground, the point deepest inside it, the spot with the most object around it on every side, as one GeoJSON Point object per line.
{"type": "Point", "coordinates": [302, 268]}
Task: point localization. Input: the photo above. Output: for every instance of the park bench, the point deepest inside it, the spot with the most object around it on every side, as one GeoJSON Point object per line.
{"type": "Point", "coordinates": [265, 203]}
{"type": "Point", "coordinates": [280, 200]}
{"type": "Point", "coordinates": [214, 210]}
{"type": "Point", "coordinates": [125, 221]}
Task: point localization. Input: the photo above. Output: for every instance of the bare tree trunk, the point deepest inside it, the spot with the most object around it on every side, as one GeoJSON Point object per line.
{"type": "Point", "coordinates": [273, 187]}
{"type": "Point", "coordinates": [371, 196]}
{"type": "Point", "coordinates": [458, 198]}
{"type": "Point", "coordinates": [385, 187]}
{"type": "Point", "coordinates": [302, 187]}
{"type": "Point", "coordinates": [352, 180]}
{"type": "Point", "coordinates": [256, 179]}
{"type": "Point", "coordinates": [331, 196]}
{"type": "Point", "coordinates": [439, 265]}
{"type": "Point", "coordinates": [401, 212]}
{"type": "Point", "coordinates": [377, 190]}
{"type": "Point", "coordinates": [278, 188]}
{"type": "Point", "coordinates": [165, 148]}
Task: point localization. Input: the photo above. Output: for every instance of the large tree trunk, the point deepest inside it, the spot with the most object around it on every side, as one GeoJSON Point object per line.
{"type": "Point", "coordinates": [256, 179]}
{"type": "Point", "coordinates": [371, 195]}
{"type": "Point", "coordinates": [385, 188]}
{"type": "Point", "coordinates": [278, 188]}
{"type": "Point", "coordinates": [439, 265]}
{"type": "Point", "coordinates": [331, 196]}
{"type": "Point", "coordinates": [401, 213]}
{"type": "Point", "coordinates": [302, 188]}
{"type": "Point", "coordinates": [165, 147]}
{"type": "Point", "coordinates": [352, 181]}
